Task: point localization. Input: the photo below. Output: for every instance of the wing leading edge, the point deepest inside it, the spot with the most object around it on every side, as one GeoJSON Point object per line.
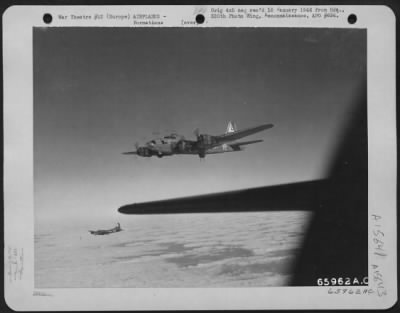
{"type": "Point", "coordinates": [295, 196]}
{"type": "Point", "coordinates": [237, 145]}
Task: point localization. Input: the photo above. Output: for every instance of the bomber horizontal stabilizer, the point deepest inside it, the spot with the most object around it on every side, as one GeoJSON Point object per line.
{"type": "Point", "coordinates": [242, 133]}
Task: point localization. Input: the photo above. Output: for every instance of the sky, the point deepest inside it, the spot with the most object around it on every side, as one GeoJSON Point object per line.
{"type": "Point", "coordinates": [98, 91]}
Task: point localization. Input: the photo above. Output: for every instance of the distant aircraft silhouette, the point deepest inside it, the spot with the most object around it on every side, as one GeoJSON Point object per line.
{"type": "Point", "coordinates": [106, 231]}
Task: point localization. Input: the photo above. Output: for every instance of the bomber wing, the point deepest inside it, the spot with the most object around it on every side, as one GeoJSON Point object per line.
{"type": "Point", "coordinates": [241, 133]}
{"type": "Point", "coordinates": [237, 145]}
{"type": "Point", "coordinates": [295, 196]}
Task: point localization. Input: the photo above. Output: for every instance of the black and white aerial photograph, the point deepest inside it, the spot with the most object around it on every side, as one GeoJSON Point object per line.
{"type": "Point", "coordinates": [199, 157]}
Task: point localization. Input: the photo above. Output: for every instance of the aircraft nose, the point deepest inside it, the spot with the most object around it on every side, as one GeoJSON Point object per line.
{"type": "Point", "coordinates": [140, 151]}
{"type": "Point", "coordinates": [143, 151]}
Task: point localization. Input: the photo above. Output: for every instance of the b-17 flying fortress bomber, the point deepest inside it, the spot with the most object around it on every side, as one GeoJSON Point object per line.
{"type": "Point", "coordinates": [204, 144]}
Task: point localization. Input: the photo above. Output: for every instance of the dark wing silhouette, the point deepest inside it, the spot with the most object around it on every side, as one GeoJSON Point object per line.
{"type": "Point", "coordinates": [336, 243]}
{"type": "Point", "coordinates": [295, 196]}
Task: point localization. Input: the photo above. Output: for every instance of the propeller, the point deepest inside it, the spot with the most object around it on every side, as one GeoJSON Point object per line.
{"type": "Point", "coordinates": [200, 144]}
{"type": "Point", "coordinates": [196, 132]}
{"type": "Point", "coordinates": [137, 148]}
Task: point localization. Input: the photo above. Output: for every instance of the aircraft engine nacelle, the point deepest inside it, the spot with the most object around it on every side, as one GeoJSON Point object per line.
{"type": "Point", "coordinates": [144, 152]}
{"type": "Point", "coordinates": [206, 140]}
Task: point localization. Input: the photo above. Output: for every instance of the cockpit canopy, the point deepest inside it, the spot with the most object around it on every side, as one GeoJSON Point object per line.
{"type": "Point", "coordinates": [165, 140]}
{"type": "Point", "coordinates": [173, 136]}
{"type": "Point", "coordinates": [157, 141]}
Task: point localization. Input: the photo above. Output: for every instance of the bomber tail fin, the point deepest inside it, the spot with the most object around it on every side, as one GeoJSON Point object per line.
{"type": "Point", "coordinates": [231, 128]}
